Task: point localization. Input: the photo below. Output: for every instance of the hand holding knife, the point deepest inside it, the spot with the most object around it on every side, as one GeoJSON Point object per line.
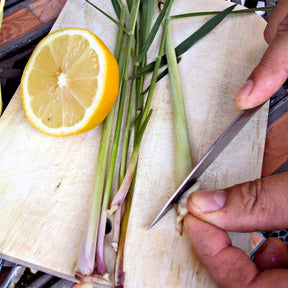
{"type": "Point", "coordinates": [214, 151]}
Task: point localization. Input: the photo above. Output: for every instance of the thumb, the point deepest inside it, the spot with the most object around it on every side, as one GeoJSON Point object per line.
{"type": "Point", "coordinates": [269, 75]}
{"type": "Point", "coordinates": [256, 205]}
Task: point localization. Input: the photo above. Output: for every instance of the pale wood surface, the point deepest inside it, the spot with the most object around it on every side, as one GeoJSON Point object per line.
{"type": "Point", "coordinates": [46, 182]}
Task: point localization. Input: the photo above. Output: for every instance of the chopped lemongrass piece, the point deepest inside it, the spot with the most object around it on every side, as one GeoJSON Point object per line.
{"type": "Point", "coordinates": [182, 209]}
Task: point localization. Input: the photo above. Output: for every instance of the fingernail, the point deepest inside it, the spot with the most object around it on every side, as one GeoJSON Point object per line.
{"type": "Point", "coordinates": [209, 201]}
{"type": "Point", "coordinates": [245, 91]}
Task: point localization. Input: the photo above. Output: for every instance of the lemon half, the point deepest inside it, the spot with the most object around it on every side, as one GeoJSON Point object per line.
{"type": "Point", "coordinates": [70, 82]}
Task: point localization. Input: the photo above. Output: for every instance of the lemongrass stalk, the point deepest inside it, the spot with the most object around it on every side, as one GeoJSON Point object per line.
{"type": "Point", "coordinates": [126, 135]}
{"type": "Point", "coordinates": [206, 13]}
{"type": "Point", "coordinates": [157, 63]}
{"type": "Point", "coordinates": [146, 12]}
{"type": "Point", "coordinates": [116, 229]}
{"type": "Point", "coordinates": [124, 188]}
{"type": "Point", "coordinates": [119, 275]}
{"type": "Point", "coordinates": [183, 155]}
{"type": "Point", "coordinates": [100, 254]}
{"type": "Point", "coordinates": [122, 170]}
{"type": "Point", "coordinates": [86, 260]}
{"type": "Point", "coordinates": [122, 192]}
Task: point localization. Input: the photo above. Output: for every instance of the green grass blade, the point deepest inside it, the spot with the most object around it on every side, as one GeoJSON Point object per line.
{"type": "Point", "coordinates": [203, 31]}
{"type": "Point", "coordinates": [116, 7]}
{"type": "Point", "coordinates": [205, 13]}
{"type": "Point", "coordinates": [146, 15]}
{"type": "Point", "coordinates": [191, 40]}
{"type": "Point", "coordinates": [154, 30]}
{"type": "Point", "coordinates": [109, 17]}
{"type": "Point", "coordinates": [129, 4]}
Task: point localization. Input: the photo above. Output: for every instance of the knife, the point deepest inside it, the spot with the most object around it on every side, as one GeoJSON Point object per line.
{"type": "Point", "coordinates": [213, 152]}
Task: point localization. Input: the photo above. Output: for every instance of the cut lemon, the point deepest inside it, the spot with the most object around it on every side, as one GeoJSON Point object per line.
{"type": "Point", "coordinates": [70, 82]}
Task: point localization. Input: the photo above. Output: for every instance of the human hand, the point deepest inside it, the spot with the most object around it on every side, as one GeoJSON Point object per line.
{"type": "Point", "coordinates": [260, 205]}
{"type": "Point", "coordinates": [272, 71]}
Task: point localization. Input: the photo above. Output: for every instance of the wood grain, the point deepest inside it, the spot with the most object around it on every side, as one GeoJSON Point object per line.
{"type": "Point", "coordinates": [46, 182]}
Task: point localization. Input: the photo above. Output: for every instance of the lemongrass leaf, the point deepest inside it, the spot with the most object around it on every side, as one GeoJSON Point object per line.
{"type": "Point", "coordinates": [150, 68]}
{"type": "Point", "coordinates": [116, 7]}
{"type": "Point", "coordinates": [136, 117]}
{"type": "Point", "coordinates": [203, 31]}
{"type": "Point", "coordinates": [109, 17]}
{"type": "Point", "coordinates": [154, 31]}
{"type": "Point", "coordinates": [129, 4]}
{"type": "Point", "coordinates": [161, 75]}
{"type": "Point", "coordinates": [205, 13]}
{"type": "Point", "coordinates": [183, 155]}
{"type": "Point", "coordinates": [157, 66]}
{"type": "Point", "coordinates": [146, 16]}
{"type": "Point", "coordinates": [185, 45]}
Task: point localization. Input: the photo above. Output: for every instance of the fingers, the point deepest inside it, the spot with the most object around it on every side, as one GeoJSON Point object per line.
{"type": "Point", "coordinates": [272, 254]}
{"type": "Point", "coordinates": [258, 205]}
{"type": "Point", "coordinates": [279, 14]}
{"type": "Point", "coordinates": [229, 266]}
{"type": "Point", "coordinates": [272, 70]}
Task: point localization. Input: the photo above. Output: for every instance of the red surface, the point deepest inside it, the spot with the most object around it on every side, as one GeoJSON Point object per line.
{"type": "Point", "coordinates": [27, 19]}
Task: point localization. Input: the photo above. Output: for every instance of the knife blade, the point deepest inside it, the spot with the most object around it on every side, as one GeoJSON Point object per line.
{"type": "Point", "coordinates": [214, 151]}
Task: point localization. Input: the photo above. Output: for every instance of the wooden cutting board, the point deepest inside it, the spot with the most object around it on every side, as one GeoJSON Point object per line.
{"type": "Point", "coordinates": [45, 182]}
